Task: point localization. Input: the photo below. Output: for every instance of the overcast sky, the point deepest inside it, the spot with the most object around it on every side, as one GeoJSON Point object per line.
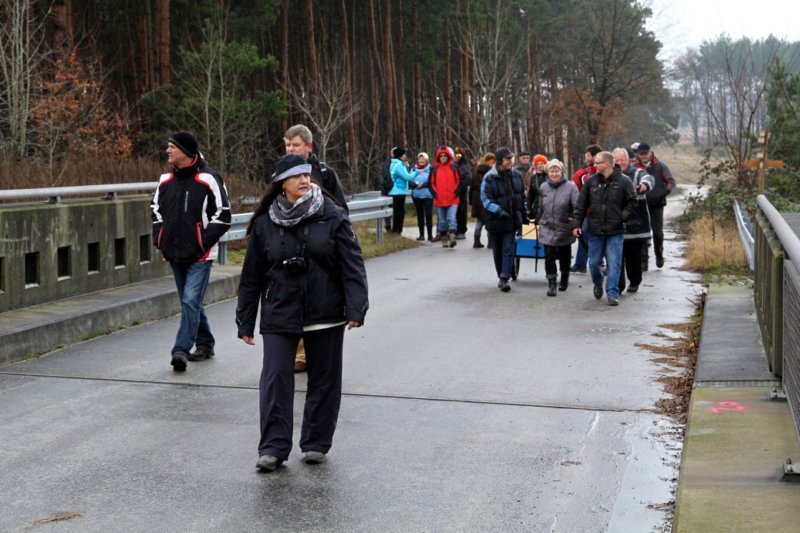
{"type": "Point", "coordinates": [679, 24]}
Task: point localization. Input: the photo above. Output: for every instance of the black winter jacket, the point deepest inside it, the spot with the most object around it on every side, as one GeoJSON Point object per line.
{"type": "Point", "coordinates": [326, 177]}
{"type": "Point", "coordinates": [190, 212]}
{"type": "Point", "coordinates": [610, 202]}
{"type": "Point", "coordinates": [503, 192]}
{"type": "Point", "coordinates": [332, 289]}
{"type": "Point", "coordinates": [663, 184]}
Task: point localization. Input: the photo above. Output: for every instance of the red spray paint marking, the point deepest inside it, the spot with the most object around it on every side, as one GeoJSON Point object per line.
{"type": "Point", "coordinates": [728, 406]}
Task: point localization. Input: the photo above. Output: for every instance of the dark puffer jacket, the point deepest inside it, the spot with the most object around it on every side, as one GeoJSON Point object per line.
{"type": "Point", "coordinates": [611, 202]}
{"type": "Point", "coordinates": [332, 289]}
{"type": "Point", "coordinates": [503, 196]}
{"type": "Point", "coordinates": [190, 213]}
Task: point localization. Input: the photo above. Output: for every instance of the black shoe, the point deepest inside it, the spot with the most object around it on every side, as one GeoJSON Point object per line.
{"type": "Point", "coordinates": [633, 288]}
{"type": "Point", "coordinates": [201, 353]}
{"type": "Point", "coordinates": [268, 463]}
{"type": "Point", "coordinates": [420, 238]}
{"type": "Point", "coordinates": [461, 236]}
{"type": "Point", "coordinates": [503, 285]}
{"type": "Point", "coordinates": [644, 266]}
{"type": "Point", "coordinates": [178, 361]}
{"type": "Point", "coordinates": [598, 291]}
{"type": "Point", "coordinates": [613, 301]}
{"type": "Point", "coordinates": [314, 458]}
{"type": "Point", "coordinates": [659, 262]}
{"type": "Point", "coordinates": [575, 268]}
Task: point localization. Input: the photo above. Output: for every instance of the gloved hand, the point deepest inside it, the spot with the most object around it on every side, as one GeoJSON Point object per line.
{"type": "Point", "coordinates": [503, 214]}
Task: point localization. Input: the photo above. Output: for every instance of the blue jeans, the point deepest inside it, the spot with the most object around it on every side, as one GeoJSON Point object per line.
{"type": "Point", "coordinates": [446, 218]}
{"type": "Point", "coordinates": [192, 282]}
{"type": "Point", "coordinates": [503, 251]}
{"type": "Point", "coordinates": [610, 247]}
{"type": "Point", "coordinates": [582, 255]}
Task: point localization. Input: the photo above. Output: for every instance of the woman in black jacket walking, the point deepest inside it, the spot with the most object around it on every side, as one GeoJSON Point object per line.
{"type": "Point", "coordinates": [304, 266]}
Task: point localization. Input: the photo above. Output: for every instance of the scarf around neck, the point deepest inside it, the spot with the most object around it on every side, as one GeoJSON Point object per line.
{"type": "Point", "coordinates": [284, 213]}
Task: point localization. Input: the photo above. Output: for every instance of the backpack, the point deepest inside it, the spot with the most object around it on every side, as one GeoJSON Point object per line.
{"type": "Point", "coordinates": [386, 182]}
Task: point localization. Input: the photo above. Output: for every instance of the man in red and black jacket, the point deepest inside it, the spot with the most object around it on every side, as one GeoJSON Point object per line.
{"type": "Point", "coordinates": [190, 212]}
{"type": "Point", "coordinates": [656, 200]}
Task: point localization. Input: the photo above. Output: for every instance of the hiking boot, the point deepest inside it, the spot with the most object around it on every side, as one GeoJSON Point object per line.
{"type": "Point", "coordinates": [633, 288]}
{"type": "Point", "coordinates": [612, 301]}
{"type": "Point", "coordinates": [314, 458]}
{"type": "Point", "coordinates": [659, 262]}
{"type": "Point", "coordinates": [577, 269]}
{"type": "Point", "coordinates": [444, 237]}
{"type": "Point", "coordinates": [178, 361]}
{"type": "Point", "coordinates": [598, 291]}
{"type": "Point", "coordinates": [477, 242]}
{"type": "Point", "coordinates": [551, 285]}
{"type": "Point", "coordinates": [564, 283]}
{"type": "Point", "coordinates": [453, 236]}
{"type": "Point", "coordinates": [201, 353]}
{"type": "Point", "coordinates": [268, 463]}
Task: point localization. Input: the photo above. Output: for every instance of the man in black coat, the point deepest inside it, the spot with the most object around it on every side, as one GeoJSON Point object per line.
{"type": "Point", "coordinates": [503, 197]}
{"type": "Point", "coordinates": [609, 200]}
{"type": "Point", "coordinates": [663, 184]}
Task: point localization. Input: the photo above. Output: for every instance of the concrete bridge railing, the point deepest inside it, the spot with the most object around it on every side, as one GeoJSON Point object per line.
{"type": "Point", "coordinates": [90, 238]}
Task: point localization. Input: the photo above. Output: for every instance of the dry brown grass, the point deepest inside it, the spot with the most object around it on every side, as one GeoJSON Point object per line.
{"type": "Point", "coordinates": [714, 245]}
{"type": "Point", "coordinates": [683, 159]}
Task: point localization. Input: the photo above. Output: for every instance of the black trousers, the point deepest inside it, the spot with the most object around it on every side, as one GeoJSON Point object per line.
{"type": "Point", "coordinates": [461, 214]}
{"type": "Point", "coordinates": [276, 391]}
{"type": "Point", "coordinates": [556, 254]}
{"type": "Point", "coordinates": [424, 207]}
{"type": "Point", "coordinates": [657, 224]}
{"type": "Point", "coordinates": [398, 212]}
{"type": "Point", "coordinates": [632, 262]}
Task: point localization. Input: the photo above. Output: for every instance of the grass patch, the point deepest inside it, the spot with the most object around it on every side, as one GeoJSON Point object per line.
{"type": "Point", "coordinates": [714, 247]}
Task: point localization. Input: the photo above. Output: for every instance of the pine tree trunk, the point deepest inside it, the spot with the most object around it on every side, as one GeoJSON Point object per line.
{"type": "Point", "coordinates": [388, 65]}
{"type": "Point", "coordinates": [310, 42]}
{"type": "Point", "coordinates": [164, 63]}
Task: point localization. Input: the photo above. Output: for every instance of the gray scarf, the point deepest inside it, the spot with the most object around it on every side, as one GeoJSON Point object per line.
{"type": "Point", "coordinates": [284, 213]}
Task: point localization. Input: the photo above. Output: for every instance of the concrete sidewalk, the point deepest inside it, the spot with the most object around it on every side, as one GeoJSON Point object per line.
{"type": "Point", "coordinates": [737, 435]}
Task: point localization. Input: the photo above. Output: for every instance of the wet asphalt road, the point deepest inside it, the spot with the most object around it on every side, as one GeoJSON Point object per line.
{"type": "Point", "coordinates": [464, 409]}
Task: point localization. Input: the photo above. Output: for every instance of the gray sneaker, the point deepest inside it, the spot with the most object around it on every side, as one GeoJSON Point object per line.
{"type": "Point", "coordinates": [268, 463]}
{"type": "Point", "coordinates": [613, 301]}
{"type": "Point", "coordinates": [314, 458]}
{"type": "Point", "coordinates": [201, 353]}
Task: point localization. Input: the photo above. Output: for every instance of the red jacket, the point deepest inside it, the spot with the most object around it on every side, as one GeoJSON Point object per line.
{"type": "Point", "coordinates": [444, 180]}
{"type": "Point", "coordinates": [581, 175]}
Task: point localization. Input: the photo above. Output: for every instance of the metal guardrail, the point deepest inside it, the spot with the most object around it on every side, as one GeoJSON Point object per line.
{"type": "Point", "coordinates": [366, 206]}
{"type": "Point", "coordinates": [745, 227]}
{"type": "Point", "coordinates": [54, 194]}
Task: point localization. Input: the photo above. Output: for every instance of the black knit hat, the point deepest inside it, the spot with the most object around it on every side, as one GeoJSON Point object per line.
{"type": "Point", "coordinates": [185, 142]}
{"type": "Point", "coordinates": [398, 152]}
{"type": "Point", "coordinates": [643, 148]}
{"type": "Point", "coordinates": [290, 165]}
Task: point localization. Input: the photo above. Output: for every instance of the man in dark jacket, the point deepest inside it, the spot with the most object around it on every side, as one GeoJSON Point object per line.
{"type": "Point", "coordinates": [609, 200]}
{"type": "Point", "coordinates": [190, 213]}
{"type": "Point", "coordinates": [656, 200]}
{"type": "Point", "coordinates": [298, 140]}
{"type": "Point", "coordinates": [503, 197]}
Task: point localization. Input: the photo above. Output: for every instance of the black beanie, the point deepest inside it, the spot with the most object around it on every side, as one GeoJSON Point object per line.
{"type": "Point", "coordinates": [290, 165]}
{"type": "Point", "coordinates": [185, 142]}
{"type": "Point", "coordinates": [398, 151]}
